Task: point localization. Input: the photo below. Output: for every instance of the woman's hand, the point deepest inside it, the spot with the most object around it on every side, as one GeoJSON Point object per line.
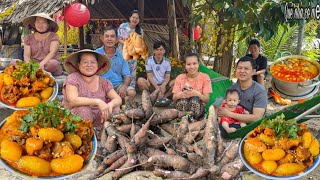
{"type": "Point", "coordinates": [41, 64]}
{"type": "Point", "coordinates": [106, 110]}
{"type": "Point", "coordinates": [188, 93]}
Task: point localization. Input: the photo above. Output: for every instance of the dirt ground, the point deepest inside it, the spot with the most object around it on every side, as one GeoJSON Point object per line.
{"type": "Point", "coordinates": [314, 124]}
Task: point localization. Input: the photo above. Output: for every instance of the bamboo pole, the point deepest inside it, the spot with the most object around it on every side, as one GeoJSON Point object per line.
{"type": "Point", "coordinates": [173, 31]}
{"type": "Point", "coordinates": [65, 33]}
{"type": "Point", "coordinates": [141, 10]}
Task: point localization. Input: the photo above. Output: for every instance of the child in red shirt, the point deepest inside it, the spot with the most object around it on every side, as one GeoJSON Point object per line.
{"type": "Point", "coordinates": [231, 102]}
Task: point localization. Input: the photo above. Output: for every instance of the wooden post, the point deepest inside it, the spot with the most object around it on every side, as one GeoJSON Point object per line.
{"type": "Point", "coordinates": [191, 35]}
{"type": "Point", "coordinates": [81, 38]}
{"type": "Point", "coordinates": [173, 30]}
{"type": "Point", "coordinates": [81, 35]}
{"type": "Point", "coordinates": [191, 31]}
{"type": "Point", "coordinates": [141, 10]}
{"type": "Point", "coordinates": [65, 36]}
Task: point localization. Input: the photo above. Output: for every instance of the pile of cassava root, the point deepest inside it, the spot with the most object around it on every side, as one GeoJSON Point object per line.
{"type": "Point", "coordinates": [165, 143]}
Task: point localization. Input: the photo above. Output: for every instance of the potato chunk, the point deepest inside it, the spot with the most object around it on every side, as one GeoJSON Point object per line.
{"type": "Point", "coordinates": [28, 102]}
{"type": "Point", "coordinates": [10, 150]}
{"type": "Point", "coordinates": [266, 139]}
{"type": "Point", "coordinates": [50, 134]}
{"type": "Point", "coordinates": [273, 154]}
{"type": "Point", "coordinates": [254, 144]}
{"type": "Point", "coordinates": [269, 166]}
{"type": "Point", "coordinates": [46, 93]}
{"type": "Point", "coordinates": [34, 165]}
{"type": "Point", "coordinates": [306, 139]}
{"type": "Point", "coordinates": [67, 165]}
{"type": "Point", "coordinates": [33, 144]}
{"type": "Point", "coordinates": [314, 147]}
{"type": "Point", "coordinates": [74, 139]}
{"type": "Point", "coordinates": [289, 169]}
{"type": "Point", "coordinates": [253, 157]}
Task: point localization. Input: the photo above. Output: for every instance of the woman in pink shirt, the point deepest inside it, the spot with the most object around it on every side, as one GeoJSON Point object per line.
{"type": "Point", "coordinates": [42, 46]}
{"type": "Point", "coordinates": [192, 89]}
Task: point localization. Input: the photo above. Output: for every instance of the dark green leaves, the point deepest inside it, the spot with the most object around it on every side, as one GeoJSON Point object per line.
{"type": "Point", "coordinates": [282, 127]}
{"type": "Point", "coordinates": [25, 69]}
{"type": "Point", "coordinates": [49, 114]}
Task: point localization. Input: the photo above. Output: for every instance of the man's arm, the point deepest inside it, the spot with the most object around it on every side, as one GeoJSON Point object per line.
{"type": "Point", "coordinates": [126, 81]}
{"type": "Point", "coordinates": [166, 79]}
{"type": "Point", "coordinates": [152, 81]}
{"type": "Point", "coordinates": [263, 67]}
{"type": "Point", "coordinates": [262, 71]}
{"type": "Point", "coordinates": [257, 114]}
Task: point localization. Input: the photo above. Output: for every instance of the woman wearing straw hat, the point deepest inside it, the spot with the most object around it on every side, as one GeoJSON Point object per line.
{"type": "Point", "coordinates": [43, 44]}
{"type": "Point", "coordinates": [85, 92]}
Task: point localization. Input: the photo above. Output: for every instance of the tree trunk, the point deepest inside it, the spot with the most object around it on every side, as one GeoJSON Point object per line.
{"type": "Point", "coordinates": [300, 36]}
{"type": "Point", "coordinates": [141, 10]}
{"type": "Point", "coordinates": [173, 31]}
{"type": "Point", "coordinates": [227, 58]}
{"type": "Point", "coordinates": [217, 60]}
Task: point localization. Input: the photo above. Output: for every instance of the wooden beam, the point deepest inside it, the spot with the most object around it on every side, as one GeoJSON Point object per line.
{"type": "Point", "coordinates": [114, 7]}
{"type": "Point", "coordinates": [173, 30]}
{"type": "Point", "coordinates": [180, 9]}
{"type": "Point", "coordinates": [145, 19]}
{"type": "Point", "coordinates": [81, 35]}
{"type": "Point", "coordinates": [141, 10]}
{"type": "Point", "coordinates": [97, 10]}
{"type": "Point", "coordinates": [65, 36]}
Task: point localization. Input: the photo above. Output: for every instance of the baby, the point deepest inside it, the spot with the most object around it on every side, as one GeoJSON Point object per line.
{"type": "Point", "coordinates": [231, 103]}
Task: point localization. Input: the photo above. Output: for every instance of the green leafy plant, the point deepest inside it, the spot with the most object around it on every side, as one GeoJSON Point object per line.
{"type": "Point", "coordinates": [49, 114]}
{"type": "Point", "coordinates": [279, 43]}
{"type": "Point", "coordinates": [25, 69]}
{"type": "Point", "coordinates": [282, 127]}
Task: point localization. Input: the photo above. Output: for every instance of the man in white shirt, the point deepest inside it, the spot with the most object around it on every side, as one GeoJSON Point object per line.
{"type": "Point", "coordinates": [158, 69]}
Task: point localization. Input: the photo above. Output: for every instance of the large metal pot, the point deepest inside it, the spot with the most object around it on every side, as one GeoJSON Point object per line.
{"type": "Point", "coordinates": [296, 88]}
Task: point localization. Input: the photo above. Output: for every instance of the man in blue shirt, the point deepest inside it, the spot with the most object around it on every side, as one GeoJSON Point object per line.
{"type": "Point", "coordinates": [119, 73]}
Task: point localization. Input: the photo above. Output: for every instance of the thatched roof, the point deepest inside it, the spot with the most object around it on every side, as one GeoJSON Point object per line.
{"type": "Point", "coordinates": [26, 8]}
{"type": "Point", "coordinates": [153, 33]}
{"type": "Point", "coordinates": [154, 11]}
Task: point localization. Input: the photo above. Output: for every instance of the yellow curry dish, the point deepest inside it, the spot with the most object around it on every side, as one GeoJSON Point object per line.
{"type": "Point", "coordinates": [46, 140]}
{"type": "Point", "coordinates": [25, 85]}
{"type": "Point", "coordinates": [281, 148]}
{"type": "Point", "coordinates": [294, 70]}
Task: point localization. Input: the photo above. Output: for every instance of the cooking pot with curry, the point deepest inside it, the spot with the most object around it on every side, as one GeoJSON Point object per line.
{"type": "Point", "coordinates": [295, 75]}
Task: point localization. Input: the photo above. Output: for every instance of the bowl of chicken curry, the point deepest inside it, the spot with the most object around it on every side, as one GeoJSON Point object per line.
{"type": "Point", "coordinates": [280, 149]}
{"type": "Point", "coordinates": [26, 85]}
{"type": "Point", "coordinates": [47, 142]}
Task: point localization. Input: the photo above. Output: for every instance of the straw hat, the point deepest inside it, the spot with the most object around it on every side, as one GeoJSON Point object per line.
{"type": "Point", "coordinates": [71, 62]}
{"type": "Point", "coordinates": [29, 21]}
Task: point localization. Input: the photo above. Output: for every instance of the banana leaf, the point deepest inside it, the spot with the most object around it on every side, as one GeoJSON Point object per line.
{"type": "Point", "coordinates": [289, 112]}
{"type": "Point", "coordinates": [220, 84]}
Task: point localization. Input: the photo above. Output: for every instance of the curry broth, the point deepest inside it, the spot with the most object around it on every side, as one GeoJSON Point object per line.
{"type": "Point", "coordinates": [294, 70]}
